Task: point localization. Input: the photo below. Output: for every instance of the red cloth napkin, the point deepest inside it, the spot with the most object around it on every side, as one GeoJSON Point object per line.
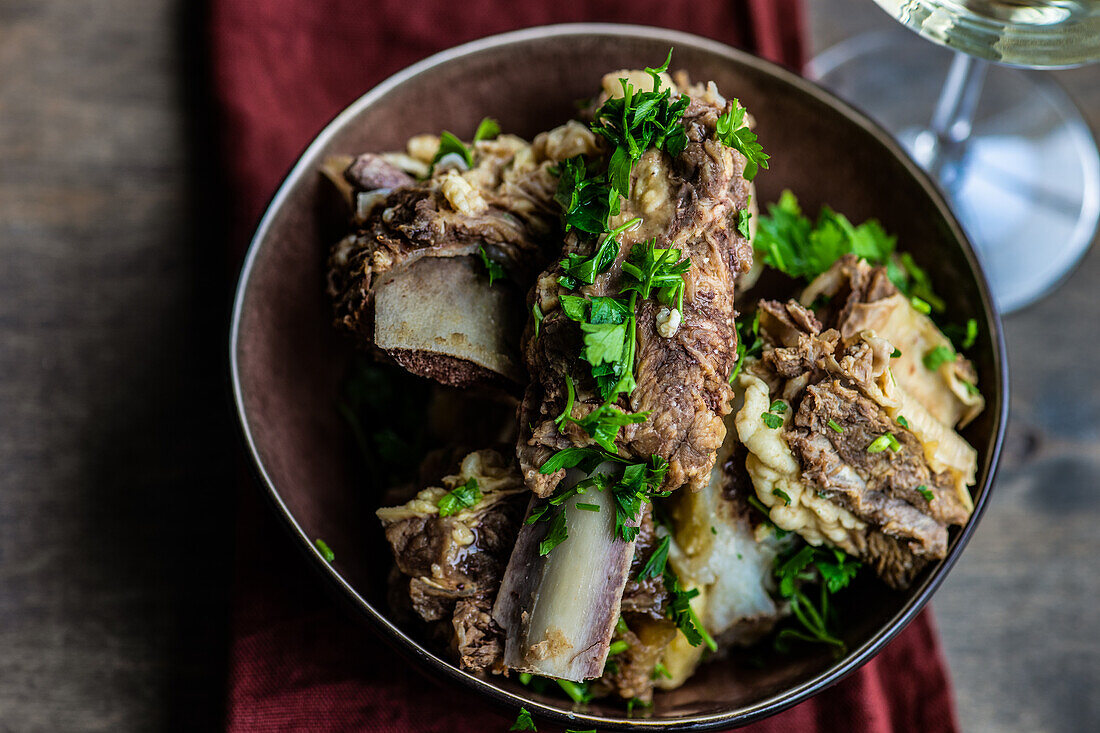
{"type": "Point", "coordinates": [282, 69]}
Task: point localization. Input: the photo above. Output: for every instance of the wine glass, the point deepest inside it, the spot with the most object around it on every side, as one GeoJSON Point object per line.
{"type": "Point", "coordinates": [1008, 146]}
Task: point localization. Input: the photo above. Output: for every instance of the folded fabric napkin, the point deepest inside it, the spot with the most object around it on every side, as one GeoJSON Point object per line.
{"type": "Point", "coordinates": [282, 69]}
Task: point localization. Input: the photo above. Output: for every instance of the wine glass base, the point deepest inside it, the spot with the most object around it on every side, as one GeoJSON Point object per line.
{"type": "Point", "coordinates": [1027, 188]}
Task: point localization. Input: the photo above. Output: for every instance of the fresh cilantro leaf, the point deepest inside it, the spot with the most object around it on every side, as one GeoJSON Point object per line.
{"type": "Point", "coordinates": [459, 498]}
{"type": "Point", "coordinates": [778, 407]}
{"type": "Point", "coordinates": [833, 570]}
{"type": "Point", "coordinates": [487, 129]}
{"type": "Point", "coordinates": [494, 268]}
{"type": "Point", "coordinates": [448, 143]}
{"type": "Point", "coordinates": [524, 721]}
{"type": "Point", "coordinates": [324, 549]}
{"type": "Point", "coordinates": [555, 534]}
{"type": "Point", "coordinates": [937, 357]}
{"type": "Point", "coordinates": [659, 670]}
{"type": "Point", "coordinates": [655, 566]}
{"type": "Point", "coordinates": [734, 132]}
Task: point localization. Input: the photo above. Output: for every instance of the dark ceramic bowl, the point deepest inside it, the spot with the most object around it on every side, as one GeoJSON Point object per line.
{"type": "Point", "coordinates": [287, 361]}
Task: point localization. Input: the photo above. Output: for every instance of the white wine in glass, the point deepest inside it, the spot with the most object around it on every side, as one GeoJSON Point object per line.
{"type": "Point", "coordinates": [1008, 147]}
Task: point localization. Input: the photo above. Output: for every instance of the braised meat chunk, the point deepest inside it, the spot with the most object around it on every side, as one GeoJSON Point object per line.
{"type": "Point", "coordinates": [860, 474]}
{"type": "Point", "coordinates": [451, 543]}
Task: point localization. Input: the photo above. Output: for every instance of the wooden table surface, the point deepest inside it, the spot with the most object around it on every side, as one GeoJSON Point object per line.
{"type": "Point", "coordinates": [115, 439]}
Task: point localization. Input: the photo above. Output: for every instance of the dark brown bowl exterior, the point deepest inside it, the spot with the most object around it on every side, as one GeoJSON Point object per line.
{"type": "Point", "coordinates": [287, 361]}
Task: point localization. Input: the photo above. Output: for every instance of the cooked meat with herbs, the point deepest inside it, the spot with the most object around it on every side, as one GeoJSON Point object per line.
{"type": "Point", "coordinates": [489, 213]}
{"type": "Point", "coordinates": [817, 435]}
{"type": "Point", "coordinates": [451, 543]}
{"type": "Point", "coordinates": [682, 359]}
{"type": "Point", "coordinates": [834, 406]}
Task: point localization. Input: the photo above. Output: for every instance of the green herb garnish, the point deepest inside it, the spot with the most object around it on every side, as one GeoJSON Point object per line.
{"type": "Point", "coordinates": [937, 357]}
{"type": "Point", "coordinates": [747, 347]}
{"type": "Point", "coordinates": [882, 442]}
{"type": "Point", "coordinates": [588, 507]}
{"type": "Point", "coordinates": [833, 570]}
{"type": "Point", "coordinates": [926, 493]}
{"type": "Point", "coordinates": [683, 615]}
{"type": "Point", "coordinates": [733, 132]}
{"type": "Point", "coordinates": [523, 721]}
{"type": "Point", "coordinates": [834, 426]}
{"type": "Point", "coordinates": [459, 498]}
{"type": "Point", "coordinates": [487, 129]}
{"type": "Point", "coordinates": [902, 421]}
{"type": "Point", "coordinates": [537, 313]}
{"type": "Point", "coordinates": [655, 565]}
{"type": "Point", "coordinates": [494, 268]}
{"type": "Point", "coordinates": [782, 495]}
{"type": "Point", "coordinates": [324, 549]}
{"type": "Point", "coordinates": [557, 533]}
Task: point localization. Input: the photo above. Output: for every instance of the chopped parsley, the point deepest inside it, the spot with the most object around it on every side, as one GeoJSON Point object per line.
{"type": "Point", "coordinates": [791, 243]}
{"type": "Point", "coordinates": [882, 442]}
{"type": "Point", "coordinates": [448, 144]}
{"type": "Point", "coordinates": [555, 534]}
{"type": "Point", "coordinates": [937, 357]}
{"type": "Point", "coordinates": [733, 132]}
{"type": "Point", "coordinates": [660, 670]}
{"type": "Point", "coordinates": [773, 418]}
{"type": "Point", "coordinates": [683, 615]}
{"type": "Point", "coordinates": [578, 691]}
{"type": "Point", "coordinates": [324, 549]}
{"type": "Point", "coordinates": [523, 721]}
{"type": "Point", "coordinates": [637, 121]}
{"type": "Point", "coordinates": [913, 281]}
{"type": "Point", "coordinates": [896, 353]}
{"type": "Point", "coordinates": [902, 421]}
{"type": "Point", "coordinates": [487, 129]}
{"type": "Point", "coordinates": [459, 498]}
{"type": "Point", "coordinates": [494, 268]}
{"type": "Point", "coordinates": [655, 565]}
{"type": "Point", "coordinates": [926, 493]}
{"type": "Point", "coordinates": [782, 495]}
{"type": "Point", "coordinates": [962, 336]}
{"type": "Point", "coordinates": [834, 426]}
{"type": "Point", "coordinates": [585, 196]}
{"type": "Point", "coordinates": [832, 570]}
{"type": "Point", "coordinates": [657, 269]}
{"type": "Point", "coordinates": [743, 217]}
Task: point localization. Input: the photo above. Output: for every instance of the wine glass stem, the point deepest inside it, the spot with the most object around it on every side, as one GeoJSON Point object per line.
{"type": "Point", "coordinates": [940, 148]}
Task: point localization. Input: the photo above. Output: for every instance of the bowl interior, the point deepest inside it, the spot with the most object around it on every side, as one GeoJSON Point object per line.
{"type": "Point", "coordinates": [288, 362]}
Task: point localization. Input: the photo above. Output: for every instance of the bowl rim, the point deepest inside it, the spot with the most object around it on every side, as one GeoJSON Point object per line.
{"type": "Point", "coordinates": [502, 697]}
